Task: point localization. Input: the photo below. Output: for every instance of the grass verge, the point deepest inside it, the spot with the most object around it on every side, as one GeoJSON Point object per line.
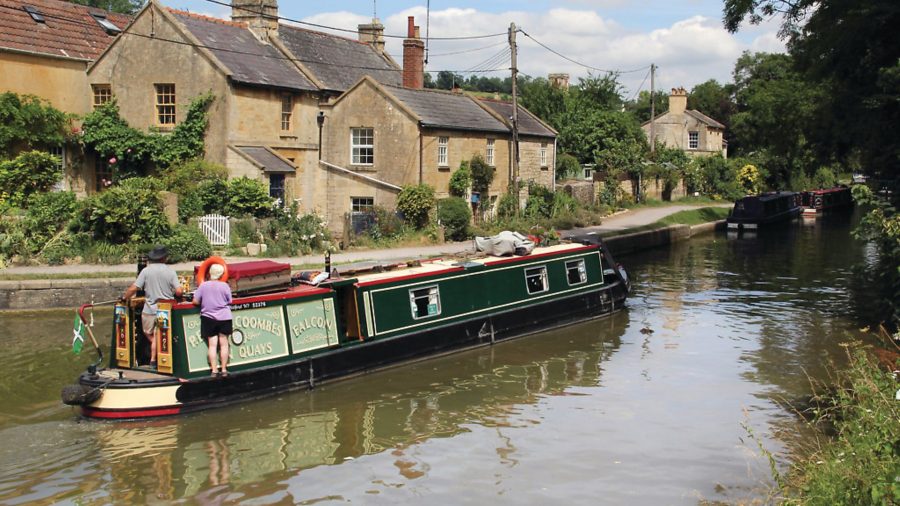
{"type": "Point", "coordinates": [687, 217]}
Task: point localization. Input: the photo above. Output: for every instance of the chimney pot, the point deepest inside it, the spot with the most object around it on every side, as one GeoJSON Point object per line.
{"type": "Point", "coordinates": [413, 58]}
{"type": "Point", "coordinates": [411, 27]}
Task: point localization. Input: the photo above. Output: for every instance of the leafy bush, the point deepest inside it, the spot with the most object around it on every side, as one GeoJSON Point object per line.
{"type": "Point", "coordinates": [46, 216]}
{"type": "Point", "coordinates": [718, 179]}
{"type": "Point", "coordinates": [248, 197]}
{"type": "Point", "coordinates": [27, 174]}
{"type": "Point", "coordinates": [539, 203]}
{"type": "Point", "coordinates": [208, 197]}
{"type": "Point", "coordinates": [416, 203]}
{"type": "Point", "coordinates": [750, 179]}
{"type": "Point", "coordinates": [824, 178]}
{"type": "Point", "coordinates": [454, 215]}
{"type": "Point", "coordinates": [186, 242]}
{"type": "Point", "coordinates": [290, 232]}
{"type": "Point", "coordinates": [567, 166]}
{"type": "Point", "coordinates": [387, 224]}
{"type": "Point", "coordinates": [482, 174]}
{"type": "Point", "coordinates": [191, 173]}
{"type": "Point", "coordinates": [461, 180]}
{"type": "Point", "coordinates": [508, 204]}
{"type": "Point", "coordinates": [244, 230]}
{"type": "Point", "coordinates": [27, 121]}
{"type": "Point", "coordinates": [122, 214]}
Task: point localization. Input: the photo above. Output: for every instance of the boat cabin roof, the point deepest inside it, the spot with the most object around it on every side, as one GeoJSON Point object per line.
{"type": "Point", "coordinates": [442, 265]}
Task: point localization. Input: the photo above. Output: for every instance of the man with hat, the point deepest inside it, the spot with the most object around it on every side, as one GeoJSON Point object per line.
{"type": "Point", "coordinates": [159, 282]}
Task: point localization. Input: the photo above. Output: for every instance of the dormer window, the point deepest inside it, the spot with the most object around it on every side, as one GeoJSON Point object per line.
{"type": "Point", "coordinates": [35, 14]}
{"type": "Point", "coordinates": [100, 18]}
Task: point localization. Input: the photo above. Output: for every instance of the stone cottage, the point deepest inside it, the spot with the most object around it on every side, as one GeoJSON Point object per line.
{"type": "Point", "coordinates": [691, 131]}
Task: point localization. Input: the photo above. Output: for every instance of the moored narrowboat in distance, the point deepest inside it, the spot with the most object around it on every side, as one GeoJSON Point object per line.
{"type": "Point", "coordinates": [823, 200]}
{"type": "Point", "coordinates": [753, 211]}
{"type": "Point", "coordinates": [292, 335]}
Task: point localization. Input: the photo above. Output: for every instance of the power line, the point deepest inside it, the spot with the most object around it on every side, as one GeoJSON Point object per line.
{"type": "Point", "coordinates": [633, 96]}
{"type": "Point", "coordinates": [347, 30]}
{"type": "Point", "coordinates": [557, 53]}
{"type": "Point", "coordinates": [492, 61]}
{"type": "Point", "coordinates": [278, 56]}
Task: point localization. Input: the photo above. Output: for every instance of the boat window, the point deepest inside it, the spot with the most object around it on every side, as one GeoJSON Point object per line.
{"type": "Point", "coordinates": [425, 302]}
{"type": "Point", "coordinates": [536, 279]}
{"type": "Point", "coordinates": [576, 272]}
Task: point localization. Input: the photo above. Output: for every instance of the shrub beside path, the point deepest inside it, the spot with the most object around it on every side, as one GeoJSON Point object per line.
{"type": "Point", "coordinates": [628, 219]}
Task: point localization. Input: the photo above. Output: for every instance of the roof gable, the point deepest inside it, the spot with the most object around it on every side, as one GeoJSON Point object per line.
{"type": "Point", "coordinates": [68, 30]}
{"type": "Point", "coordinates": [444, 109]}
{"type": "Point", "coordinates": [529, 124]}
{"type": "Point", "coordinates": [248, 60]}
{"type": "Point", "coordinates": [336, 62]}
{"type": "Point", "coordinates": [699, 116]}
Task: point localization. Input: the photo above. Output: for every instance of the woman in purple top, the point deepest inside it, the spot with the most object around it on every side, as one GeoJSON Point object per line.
{"type": "Point", "coordinates": [214, 299]}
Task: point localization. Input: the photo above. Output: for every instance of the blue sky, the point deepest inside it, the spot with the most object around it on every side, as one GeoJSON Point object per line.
{"type": "Point", "coordinates": [684, 38]}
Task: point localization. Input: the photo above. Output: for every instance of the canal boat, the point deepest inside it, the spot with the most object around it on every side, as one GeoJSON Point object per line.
{"type": "Point", "coordinates": [753, 211]}
{"type": "Point", "coordinates": [816, 202]}
{"type": "Point", "coordinates": [290, 334]}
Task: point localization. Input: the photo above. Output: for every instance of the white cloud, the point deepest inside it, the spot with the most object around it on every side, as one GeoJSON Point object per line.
{"type": "Point", "coordinates": [688, 52]}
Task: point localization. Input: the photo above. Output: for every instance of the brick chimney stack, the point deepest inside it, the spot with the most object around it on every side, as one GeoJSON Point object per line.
{"type": "Point", "coordinates": [678, 101]}
{"type": "Point", "coordinates": [413, 57]}
{"type": "Point", "coordinates": [261, 16]}
{"type": "Point", "coordinates": [373, 34]}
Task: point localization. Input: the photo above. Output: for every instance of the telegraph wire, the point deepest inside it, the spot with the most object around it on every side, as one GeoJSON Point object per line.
{"type": "Point", "coordinates": [557, 53]}
{"type": "Point", "coordinates": [347, 30]}
{"type": "Point", "coordinates": [279, 56]}
{"type": "Point", "coordinates": [633, 96]}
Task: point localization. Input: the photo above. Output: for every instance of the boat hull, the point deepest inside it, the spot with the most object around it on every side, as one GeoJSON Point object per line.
{"type": "Point", "coordinates": [129, 399]}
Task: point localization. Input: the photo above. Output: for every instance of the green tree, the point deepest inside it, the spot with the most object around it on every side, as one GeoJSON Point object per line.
{"type": "Point", "coordinates": [586, 132]}
{"type": "Point", "coordinates": [567, 166]}
{"type": "Point", "coordinates": [30, 173]}
{"type": "Point", "coordinates": [460, 180]}
{"type": "Point", "coordinates": [546, 101]}
{"type": "Point", "coordinates": [482, 175]}
{"type": "Point", "coordinates": [640, 107]}
{"type": "Point", "coordinates": [120, 6]}
{"type": "Point", "coordinates": [416, 203]}
{"type": "Point", "coordinates": [598, 92]}
{"type": "Point", "coordinates": [715, 101]}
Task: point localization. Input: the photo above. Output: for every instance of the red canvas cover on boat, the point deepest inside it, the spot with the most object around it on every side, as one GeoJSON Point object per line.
{"type": "Point", "coordinates": [240, 270]}
{"type": "Point", "coordinates": [255, 268]}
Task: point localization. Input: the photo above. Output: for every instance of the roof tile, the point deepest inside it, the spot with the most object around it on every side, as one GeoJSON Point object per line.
{"type": "Point", "coordinates": [444, 109]}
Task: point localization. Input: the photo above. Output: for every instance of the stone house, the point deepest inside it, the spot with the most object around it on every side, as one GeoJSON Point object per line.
{"type": "Point", "coordinates": [45, 48]}
{"type": "Point", "coordinates": [691, 131]}
{"type": "Point", "coordinates": [280, 89]}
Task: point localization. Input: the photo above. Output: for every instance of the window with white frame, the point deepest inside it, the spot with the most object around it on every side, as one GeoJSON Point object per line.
{"type": "Point", "coordinates": [287, 111]}
{"type": "Point", "coordinates": [165, 104]}
{"type": "Point", "coordinates": [443, 158]}
{"type": "Point", "coordinates": [576, 273]}
{"type": "Point", "coordinates": [693, 140]}
{"type": "Point", "coordinates": [425, 302]}
{"type": "Point", "coordinates": [543, 154]}
{"type": "Point", "coordinates": [536, 280]}
{"type": "Point", "coordinates": [362, 204]}
{"type": "Point", "coordinates": [362, 146]}
{"type": "Point", "coordinates": [60, 153]}
{"type": "Point", "coordinates": [489, 152]}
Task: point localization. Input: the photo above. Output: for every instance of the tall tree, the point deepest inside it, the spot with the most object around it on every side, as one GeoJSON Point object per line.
{"type": "Point", "coordinates": [848, 49]}
{"type": "Point", "coordinates": [545, 100]}
{"type": "Point", "coordinates": [121, 6]}
{"type": "Point", "coordinates": [640, 107]}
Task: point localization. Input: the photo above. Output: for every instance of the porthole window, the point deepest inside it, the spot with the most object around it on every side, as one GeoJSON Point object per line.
{"type": "Point", "coordinates": [425, 302]}
{"type": "Point", "coordinates": [536, 279]}
{"type": "Point", "coordinates": [576, 273]}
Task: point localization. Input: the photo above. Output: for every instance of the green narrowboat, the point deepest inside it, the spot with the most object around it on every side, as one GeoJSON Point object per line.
{"type": "Point", "coordinates": [299, 335]}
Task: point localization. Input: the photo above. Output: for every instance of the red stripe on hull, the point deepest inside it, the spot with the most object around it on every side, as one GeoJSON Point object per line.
{"type": "Point", "coordinates": [129, 413]}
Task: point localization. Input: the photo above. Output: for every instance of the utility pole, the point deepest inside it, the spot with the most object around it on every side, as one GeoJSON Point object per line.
{"type": "Point", "coordinates": [652, 109]}
{"type": "Point", "coordinates": [515, 112]}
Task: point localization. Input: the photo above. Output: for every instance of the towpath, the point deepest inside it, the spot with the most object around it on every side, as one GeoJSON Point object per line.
{"type": "Point", "coordinates": [624, 220]}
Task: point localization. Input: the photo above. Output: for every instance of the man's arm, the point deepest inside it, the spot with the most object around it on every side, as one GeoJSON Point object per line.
{"type": "Point", "coordinates": [130, 291]}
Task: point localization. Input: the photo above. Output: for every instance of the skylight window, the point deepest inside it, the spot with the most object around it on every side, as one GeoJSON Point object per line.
{"type": "Point", "coordinates": [35, 14]}
{"type": "Point", "coordinates": [107, 25]}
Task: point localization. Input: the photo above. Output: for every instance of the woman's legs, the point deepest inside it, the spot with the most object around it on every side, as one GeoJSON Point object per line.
{"type": "Point", "coordinates": [211, 353]}
{"type": "Point", "coordinates": [223, 352]}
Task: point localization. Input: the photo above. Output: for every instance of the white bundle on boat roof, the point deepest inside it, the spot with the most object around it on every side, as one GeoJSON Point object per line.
{"type": "Point", "coordinates": [505, 243]}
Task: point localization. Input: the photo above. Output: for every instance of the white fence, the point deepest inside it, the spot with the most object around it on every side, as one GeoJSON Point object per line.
{"type": "Point", "coordinates": [216, 228]}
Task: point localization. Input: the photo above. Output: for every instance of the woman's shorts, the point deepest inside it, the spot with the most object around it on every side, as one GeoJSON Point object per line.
{"type": "Point", "coordinates": [210, 327]}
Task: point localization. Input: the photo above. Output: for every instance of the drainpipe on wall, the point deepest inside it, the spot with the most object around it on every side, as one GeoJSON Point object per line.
{"type": "Point", "coordinates": [553, 171]}
{"type": "Point", "coordinates": [421, 149]}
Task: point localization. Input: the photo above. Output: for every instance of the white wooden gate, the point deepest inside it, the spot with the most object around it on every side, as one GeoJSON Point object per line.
{"type": "Point", "coordinates": [216, 229]}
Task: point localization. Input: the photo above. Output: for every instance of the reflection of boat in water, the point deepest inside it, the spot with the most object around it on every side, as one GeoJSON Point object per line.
{"type": "Point", "coordinates": [819, 201]}
{"type": "Point", "coordinates": [753, 211]}
{"type": "Point", "coordinates": [387, 412]}
{"type": "Point", "coordinates": [300, 335]}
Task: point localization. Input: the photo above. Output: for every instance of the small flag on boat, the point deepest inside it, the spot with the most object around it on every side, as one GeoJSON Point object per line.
{"type": "Point", "coordinates": [77, 335]}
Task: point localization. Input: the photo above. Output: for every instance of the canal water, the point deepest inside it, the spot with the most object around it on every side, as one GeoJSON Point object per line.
{"type": "Point", "coordinates": [665, 402]}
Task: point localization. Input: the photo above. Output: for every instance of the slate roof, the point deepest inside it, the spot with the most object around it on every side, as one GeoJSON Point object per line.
{"type": "Point", "coordinates": [444, 109]}
{"type": "Point", "coordinates": [704, 118]}
{"type": "Point", "coordinates": [249, 60]}
{"type": "Point", "coordinates": [528, 123]}
{"type": "Point", "coordinates": [68, 29]}
{"type": "Point", "coordinates": [337, 62]}
{"type": "Point", "coordinates": [266, 159]}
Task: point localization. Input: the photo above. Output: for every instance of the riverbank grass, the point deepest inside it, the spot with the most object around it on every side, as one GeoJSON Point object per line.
{"type": "Point", "coordinates": [687, 217]}
{"type": "Point", "coordinates": [861, 463]}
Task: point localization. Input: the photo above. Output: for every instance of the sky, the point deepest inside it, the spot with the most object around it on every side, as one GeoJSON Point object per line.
{"type": "Point", "coordinates": [684, 38]}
